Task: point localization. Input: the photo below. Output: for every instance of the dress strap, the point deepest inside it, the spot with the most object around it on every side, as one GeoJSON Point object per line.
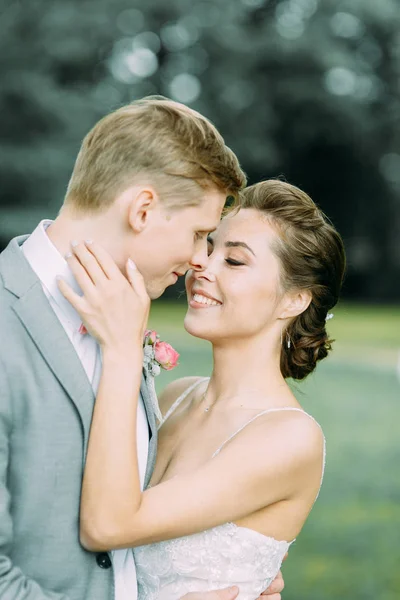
{"type": "Point", "coordinates": [181, 398]}
{"type": "Point", "coordinates": [270, 410]}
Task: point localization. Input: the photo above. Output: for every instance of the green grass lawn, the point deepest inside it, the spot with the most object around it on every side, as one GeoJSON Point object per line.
{"type": "Point", "coordinates": [350, 547]}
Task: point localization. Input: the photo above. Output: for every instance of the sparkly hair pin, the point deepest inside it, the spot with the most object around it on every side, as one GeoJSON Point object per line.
{"type": "Point", "coordinates": [329, 316]}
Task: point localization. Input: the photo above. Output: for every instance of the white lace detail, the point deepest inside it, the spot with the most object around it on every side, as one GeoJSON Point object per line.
{"type": "Point", "coordinates": [216, 558]}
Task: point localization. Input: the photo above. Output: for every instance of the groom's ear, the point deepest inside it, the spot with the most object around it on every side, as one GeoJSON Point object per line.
{"type": "Point", "coordinates": [142, 204]}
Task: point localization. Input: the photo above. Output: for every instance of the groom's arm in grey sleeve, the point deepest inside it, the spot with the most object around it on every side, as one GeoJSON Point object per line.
{"type": "Point", "coordinates": [14, 585]}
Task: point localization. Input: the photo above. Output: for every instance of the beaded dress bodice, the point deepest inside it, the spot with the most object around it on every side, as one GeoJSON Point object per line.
{"type": "Point", "coordinates": [220, 557]}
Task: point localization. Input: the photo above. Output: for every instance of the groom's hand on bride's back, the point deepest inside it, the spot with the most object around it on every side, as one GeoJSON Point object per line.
{"type": "Point", "coordinates": [276, 587]}
{"type": "Point", "coordinates": [272, 593]}
{"type": "Point", "coordinates": [274, 590]}
{"type": "Point", "coordinates": [225, 594]}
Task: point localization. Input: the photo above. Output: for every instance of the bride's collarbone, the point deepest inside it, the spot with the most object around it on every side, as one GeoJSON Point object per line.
{"type": "Point", "coordinates": [202, 432]}
{"type": "Point", "coordinates": [196, 433]}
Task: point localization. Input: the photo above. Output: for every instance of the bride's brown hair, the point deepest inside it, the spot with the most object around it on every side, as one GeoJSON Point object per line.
{"type": "Point", "coordinates": [312, 257]}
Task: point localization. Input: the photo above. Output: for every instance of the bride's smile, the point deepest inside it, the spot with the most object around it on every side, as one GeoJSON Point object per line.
{"type": "Point", "coordinates": [201, 299]}
{"type": "Point", "coordinates": [238, 295]}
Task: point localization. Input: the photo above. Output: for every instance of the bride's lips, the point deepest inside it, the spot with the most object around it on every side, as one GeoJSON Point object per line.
{"type": "Point", "coordinates": [201, 299]}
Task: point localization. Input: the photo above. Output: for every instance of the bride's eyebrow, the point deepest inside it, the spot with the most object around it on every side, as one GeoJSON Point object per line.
{"type": "Point", "coordinates": [239, 245]}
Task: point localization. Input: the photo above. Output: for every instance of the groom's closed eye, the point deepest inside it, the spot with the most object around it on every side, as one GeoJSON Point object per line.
{"type": "Point", "coordinates": [201, 234]}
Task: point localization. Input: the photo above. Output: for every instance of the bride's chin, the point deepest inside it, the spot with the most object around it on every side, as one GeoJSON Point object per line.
{"type": "Point", "coordinates": [197, 330]}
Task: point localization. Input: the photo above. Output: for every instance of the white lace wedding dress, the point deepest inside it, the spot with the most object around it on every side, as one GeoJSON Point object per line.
{"type": "Point", "coordinates": [216, 558]}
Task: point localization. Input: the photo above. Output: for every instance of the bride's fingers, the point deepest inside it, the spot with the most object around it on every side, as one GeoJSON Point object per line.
{"type": "Point", "coordinates": [89, 263]}
{"type": "Point", "coordinates": [105, 261]}
{"type": "Point", "coordinates": [135, 278]}
{"type": "Point", "coordinates": [79, 272]}
{"type": "Point", "coordinates": [73, 298]}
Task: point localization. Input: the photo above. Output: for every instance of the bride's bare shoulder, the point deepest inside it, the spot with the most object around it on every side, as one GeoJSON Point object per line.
{"type": "Point", "coordinates": [173, 390]}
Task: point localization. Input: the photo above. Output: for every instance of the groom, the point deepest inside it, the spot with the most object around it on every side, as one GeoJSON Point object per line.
{"type": "Point", "coordinates": [149, 182]}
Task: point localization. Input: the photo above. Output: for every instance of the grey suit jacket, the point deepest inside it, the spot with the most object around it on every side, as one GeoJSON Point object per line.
{"type": "Point", "coordinates": [46, 404]}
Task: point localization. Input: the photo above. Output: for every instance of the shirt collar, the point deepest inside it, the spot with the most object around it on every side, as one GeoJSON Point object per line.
{"type": "Point", "coordinates": [48, 263]}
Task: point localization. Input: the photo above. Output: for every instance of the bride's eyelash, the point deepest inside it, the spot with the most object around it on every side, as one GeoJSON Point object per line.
{"type": "Point", "coordinates": [234, 263]}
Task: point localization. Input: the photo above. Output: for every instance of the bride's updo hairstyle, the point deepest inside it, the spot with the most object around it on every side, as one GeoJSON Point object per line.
{"type": "Point", "coordinates": [312, 257]}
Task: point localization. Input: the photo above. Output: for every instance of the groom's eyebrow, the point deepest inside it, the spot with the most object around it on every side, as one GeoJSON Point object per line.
{"type": "Point", "coordinates": [239, 245]}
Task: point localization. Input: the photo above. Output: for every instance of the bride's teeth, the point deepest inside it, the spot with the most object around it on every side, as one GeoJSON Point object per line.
{"type": "Point", "coordinates": [204, 300]}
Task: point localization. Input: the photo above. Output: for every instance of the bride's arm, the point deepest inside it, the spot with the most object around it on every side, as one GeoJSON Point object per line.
{"type": "Point", "coordinates": [264, 464]}
{"type": "Point", "coordinates": [267, 462]}
{"type": "Point", "coordinates": [114, 310]}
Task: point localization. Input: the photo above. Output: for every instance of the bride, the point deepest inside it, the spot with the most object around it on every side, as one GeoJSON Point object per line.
{"type": "Point", "coordinates": [239, 463]}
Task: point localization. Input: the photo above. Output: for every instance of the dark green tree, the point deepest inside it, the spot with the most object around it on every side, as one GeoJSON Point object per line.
{"type": "Point", "coordinates": [303, 89]}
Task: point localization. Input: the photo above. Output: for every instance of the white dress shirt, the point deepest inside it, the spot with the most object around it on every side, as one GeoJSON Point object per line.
{"type": "Point", "coordinates": [47, 263]}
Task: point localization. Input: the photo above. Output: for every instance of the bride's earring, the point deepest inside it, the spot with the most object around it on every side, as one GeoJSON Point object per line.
{"type": "Point", "coordinates": [288, 340]}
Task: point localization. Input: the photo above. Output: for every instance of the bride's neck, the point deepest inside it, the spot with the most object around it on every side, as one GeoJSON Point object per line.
{"type": "Point", "coordinates": [241, 367]}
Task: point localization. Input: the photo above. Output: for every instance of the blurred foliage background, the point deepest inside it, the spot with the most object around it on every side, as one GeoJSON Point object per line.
{"type": "Point", "coordinates": [304, 89]}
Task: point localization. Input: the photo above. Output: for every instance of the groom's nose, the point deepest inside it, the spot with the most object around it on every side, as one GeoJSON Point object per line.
{"type": "Point", "coordinates": [199, 259]}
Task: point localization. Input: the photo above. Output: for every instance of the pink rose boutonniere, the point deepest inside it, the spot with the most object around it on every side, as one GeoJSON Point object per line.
{"type": "Point", "coordinates": [166, 355]}
{"type": "Point", "coordinates": [157, 355]}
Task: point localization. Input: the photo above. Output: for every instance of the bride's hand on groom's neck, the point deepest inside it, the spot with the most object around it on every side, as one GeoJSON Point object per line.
{"type": "Point", "coordinates": [113, 308]}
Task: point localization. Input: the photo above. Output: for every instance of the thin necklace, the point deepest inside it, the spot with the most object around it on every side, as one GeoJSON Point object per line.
{"type": "Point", "coordinates": [207, 408]}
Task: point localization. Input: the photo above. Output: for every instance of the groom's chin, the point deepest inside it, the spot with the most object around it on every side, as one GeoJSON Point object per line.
{"type": "Point", "coordinates": [154, 294]}
{"type": "Point", "coordinates": [155, 290]}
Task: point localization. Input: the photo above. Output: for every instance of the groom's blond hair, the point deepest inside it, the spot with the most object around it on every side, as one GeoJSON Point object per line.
{"type": "Point", "coordinates": [153, 140]}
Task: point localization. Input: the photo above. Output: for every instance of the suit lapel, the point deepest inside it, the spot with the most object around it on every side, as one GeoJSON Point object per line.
{"type": "Point", "coordinates": [153, 430]}
{"type": "Point", "coordinates": [49, 336]}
